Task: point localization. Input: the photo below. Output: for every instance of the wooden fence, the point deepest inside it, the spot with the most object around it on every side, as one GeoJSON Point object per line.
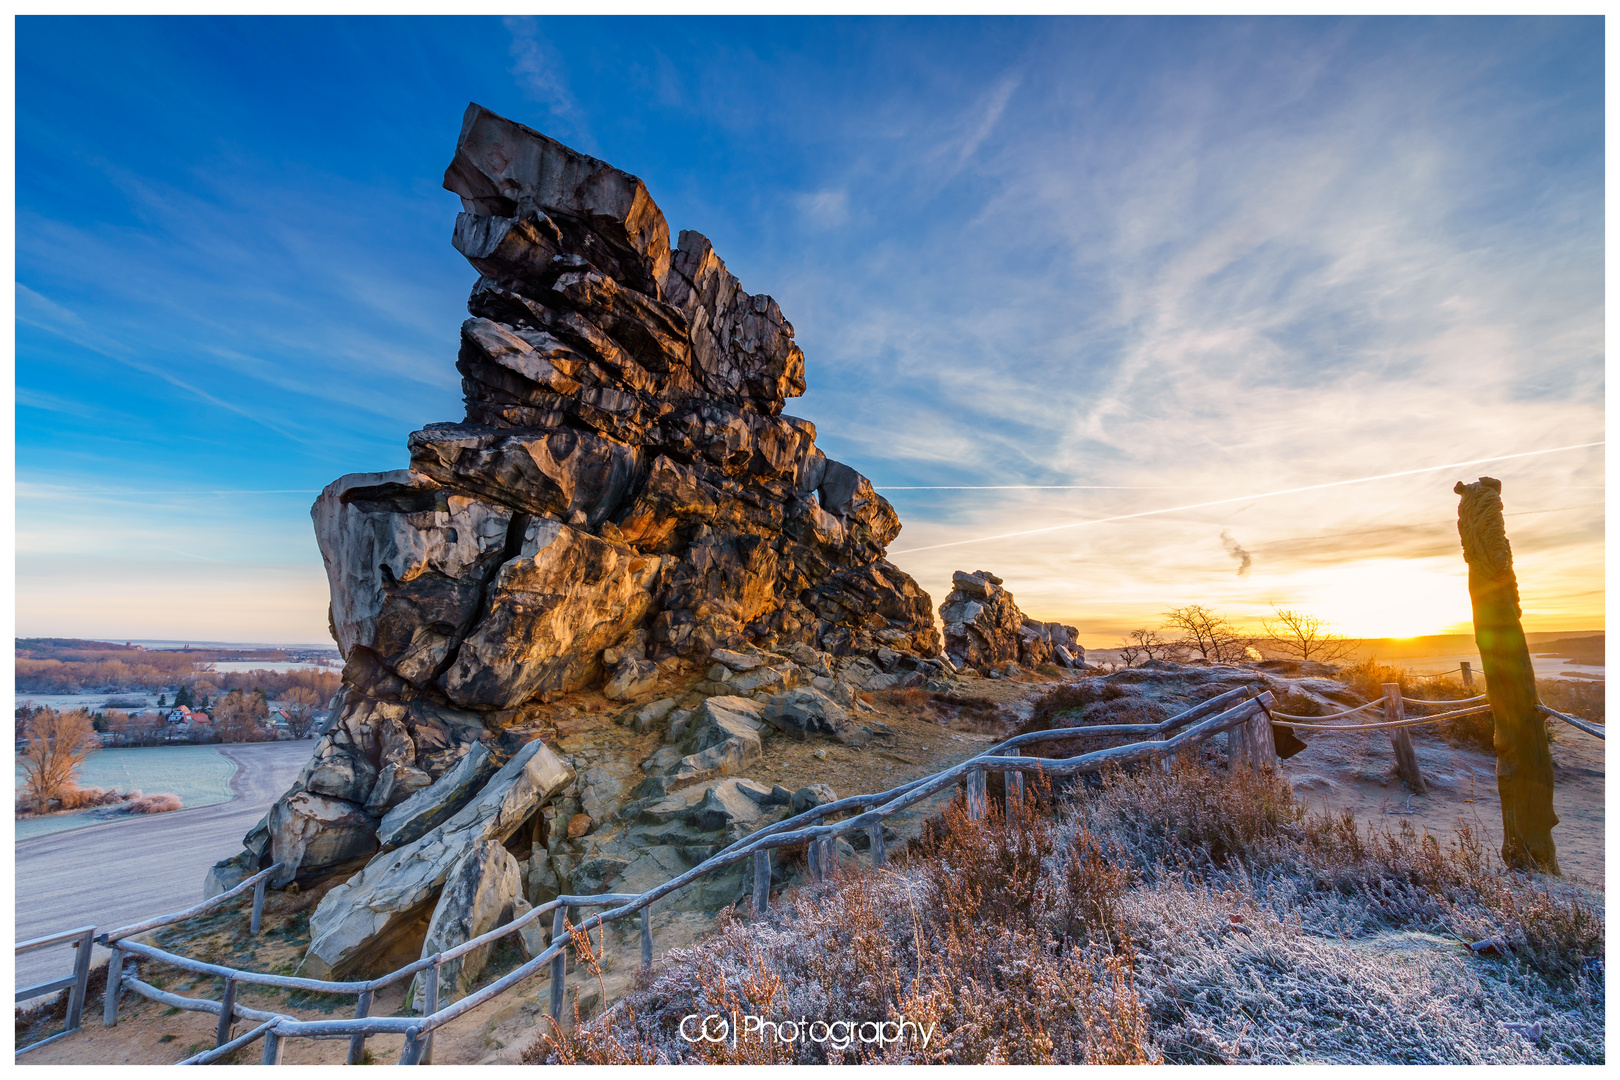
{"type": "Point", "coordinates": [1245, 716]}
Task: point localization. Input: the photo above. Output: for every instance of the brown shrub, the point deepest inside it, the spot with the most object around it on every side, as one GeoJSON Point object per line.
{"type": "Point", "coordinates": [155, 804]}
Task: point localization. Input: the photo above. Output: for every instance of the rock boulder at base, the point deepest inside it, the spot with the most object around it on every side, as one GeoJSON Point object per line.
{"type": "Point", "coordinates": [723, 736]}
{"type": "Point", "coordinates": [367, 913]}
{"type": "Point", "coordinates": [431, 806]}
{"type": "Point", "coordinates": [477, 897]}
{"type": "Point", "coordinates": [227, 874]}
{"type": "Point", "coordinates": [309, 830]}
{"type": "Point", "coordinates": [807, 712]}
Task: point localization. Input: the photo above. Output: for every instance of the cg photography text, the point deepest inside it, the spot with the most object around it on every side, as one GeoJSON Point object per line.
{"type": "Point", "coordinates": [839, 1034]}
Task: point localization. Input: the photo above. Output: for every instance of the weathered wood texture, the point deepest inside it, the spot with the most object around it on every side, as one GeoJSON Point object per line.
{"type": "Point", "coordinates": [1524, 776]}
{"type": "Point", "coordinates": [1406, 764]}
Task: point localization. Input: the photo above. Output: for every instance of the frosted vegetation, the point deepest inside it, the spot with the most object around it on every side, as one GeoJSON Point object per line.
{"type": "Point", "coordinates": [1184, 917]}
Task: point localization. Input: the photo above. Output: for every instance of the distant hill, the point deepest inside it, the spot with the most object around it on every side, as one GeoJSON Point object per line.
{"type": "Point", "coordinates": [43, 648]}
{"type": "Point", "coordinates": [1579, 650]}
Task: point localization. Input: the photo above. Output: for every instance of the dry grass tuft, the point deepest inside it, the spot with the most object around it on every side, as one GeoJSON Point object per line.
{"type": "Point", "coordinates": [154, 804]}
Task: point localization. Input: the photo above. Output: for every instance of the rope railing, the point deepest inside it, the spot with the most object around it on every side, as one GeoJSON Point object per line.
{"type": "Point", "coordinates": [1385, 725]}
{"type": "Point", "coordinates": [1375, 704]}
{"type": "Point", "coordinates": [1197, 724]}
{"type": "Point", "coordinates": [1575, 721]}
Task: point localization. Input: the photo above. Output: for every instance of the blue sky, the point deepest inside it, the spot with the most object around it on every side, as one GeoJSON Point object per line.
{"type": "Point", "coordinates": [1163, 261]}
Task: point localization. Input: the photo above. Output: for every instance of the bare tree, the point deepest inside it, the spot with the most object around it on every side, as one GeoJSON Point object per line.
{"type": "Point", "coordinates": [299, 706]}
{"type": "Point", "coordinates": [1209, 635]}
{"type": "Point", "coordinates": [55, 744]}
{"type": "Point", "coordinates": [1306, 637]}
{"type": "Point", "coordinates": [1145, 645]}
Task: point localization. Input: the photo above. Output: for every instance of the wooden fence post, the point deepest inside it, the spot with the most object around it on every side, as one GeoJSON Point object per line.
{"type": "Point", "coordinates": [1467, 675]}
{"type": "Point", "coordinates": [272, 1048]}
{"type": "Point", "coordinates": [875, 834]}
{"type": "Point", "coordinates": [412, 1052]}
{"type": "Point", "coordinates": [357, 1043]}
{"type": "Point", "coordinates": [227, 1014]}
{"type": "Point", "coordinates": [430, 1005]}
{"type": "Point", "coordinates": [812, 854]}
{"type": "Point", "coordinates": [1013, 784]}
{"type": "Point", "coordinates": [558, 963]}
{"type": "Point", "coordinates": [258, 908]}
{"type": "Point", "coordinates": [975, 794]}
{"type": "Point", "coordinates": [1524, 771]}
{"type": "Point", "coordinates": [81, 980]}
{"type": "Point", "coordinates": [646, 928]}
{"type": "Point", "coordinates": [762, 880]}
{"type": "Point", "coordinates": [115, 984]}
{"type": "Point", "coordinates": [1406, 766]}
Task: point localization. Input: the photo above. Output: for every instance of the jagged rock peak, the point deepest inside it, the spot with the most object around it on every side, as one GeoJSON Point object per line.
{"type": "Point", "coordinates": [985, 630]}
{"type": "Point", "coordinates": [622, 497]}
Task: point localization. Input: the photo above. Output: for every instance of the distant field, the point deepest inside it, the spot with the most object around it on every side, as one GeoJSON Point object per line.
{"type": "Point", "coordinates": [199, 775]}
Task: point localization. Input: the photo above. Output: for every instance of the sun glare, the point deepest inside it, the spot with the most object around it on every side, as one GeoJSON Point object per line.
{"type": "Point", "coordinates": [1388, 598]}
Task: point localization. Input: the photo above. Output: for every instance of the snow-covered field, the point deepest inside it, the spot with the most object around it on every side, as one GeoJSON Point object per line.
{"type": "Point", "coordinates": [199, 775]}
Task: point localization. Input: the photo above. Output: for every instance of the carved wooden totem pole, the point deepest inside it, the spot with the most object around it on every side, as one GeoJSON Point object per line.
{"type": "Point", "coordinates": [1524, 775]}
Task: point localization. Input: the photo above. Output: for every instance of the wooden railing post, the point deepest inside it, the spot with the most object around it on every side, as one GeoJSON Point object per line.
{"type": "Point", "coordinates": [412, 1052]}
{"type": "Point", "coordinates": [762, 881]}
{"type": "Point", "coordinates": [1013, 784]}
{"type": "Point", "coordinates": [559, 963]}
{"type": "Point", "coordinates": [646, 929]}
{"type": "Point", "coordinates": [81, 981]}
{"type": "Point", "coordinates": [430, 1005]}
{"type": "Point", "coordinates": [1467, 675]}
{"type": "Point", "coordinates": [258, 909]}
{"type": "Point", "coordinates": [975, 794]}
{"type": "Point", "coordinates": [272, 1048]}
{"type": "Point", "coordinates": [357, 1043]}
{"type": "Point", "coordinates": [879, 853]}
{"type": "Point", "coordinates": [227, 1014]}
{"type": "Point", "coordinates": [812, 854]}
{"type": "Point", "coordinates": [829, 856]}
{"type": "Point", "coordinates": [1406, 765]}
{"type": "Point", "coordinates": [115, 985]}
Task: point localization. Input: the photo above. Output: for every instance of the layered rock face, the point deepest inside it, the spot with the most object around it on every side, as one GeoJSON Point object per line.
{"type": "Point", "coordinates": [624, 494]}
{"type": "Point", "coordinates": [984, 629]}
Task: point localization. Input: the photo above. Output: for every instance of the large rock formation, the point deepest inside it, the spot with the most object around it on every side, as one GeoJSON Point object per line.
{"type": "Point", "coordinates": [623, 496]}
{"type": "Point", "coordinates": [984, 629]}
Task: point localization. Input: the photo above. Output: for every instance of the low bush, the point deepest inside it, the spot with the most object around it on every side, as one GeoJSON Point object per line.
{"type": "Point", "coordinates": [155, 804]}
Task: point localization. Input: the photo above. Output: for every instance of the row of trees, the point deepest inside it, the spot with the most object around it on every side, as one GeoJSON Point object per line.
{"type": "Point", "coordinates": [1196, 630]}
{"type": "Point", "coordinates": [159, 671]}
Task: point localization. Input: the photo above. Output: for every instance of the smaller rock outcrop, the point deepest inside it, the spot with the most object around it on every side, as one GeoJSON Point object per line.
{"type": "Point", "coordinates": [985, 630]}
{"type": "Point", "coordinates": [807, 712]}
{"type": "Point", "coordinates": [370, 911]}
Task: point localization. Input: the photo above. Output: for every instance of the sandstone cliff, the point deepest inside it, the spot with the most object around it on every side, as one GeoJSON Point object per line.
{"type": "Point", "coordinates": [623, 495]}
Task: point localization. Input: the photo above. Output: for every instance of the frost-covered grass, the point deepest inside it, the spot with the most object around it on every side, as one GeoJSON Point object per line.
{"type": "Point", "coordinates": [196, 775]}
{"type": "Point", "coordinates": [1185, 917]}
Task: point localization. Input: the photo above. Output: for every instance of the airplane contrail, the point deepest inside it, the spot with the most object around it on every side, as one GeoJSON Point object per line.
{"type": "Point", "coordinates": [1241, 498]}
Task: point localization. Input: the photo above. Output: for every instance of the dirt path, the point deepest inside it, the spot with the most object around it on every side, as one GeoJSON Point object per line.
{"type": "Point", "coordinates": [123, 871]}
